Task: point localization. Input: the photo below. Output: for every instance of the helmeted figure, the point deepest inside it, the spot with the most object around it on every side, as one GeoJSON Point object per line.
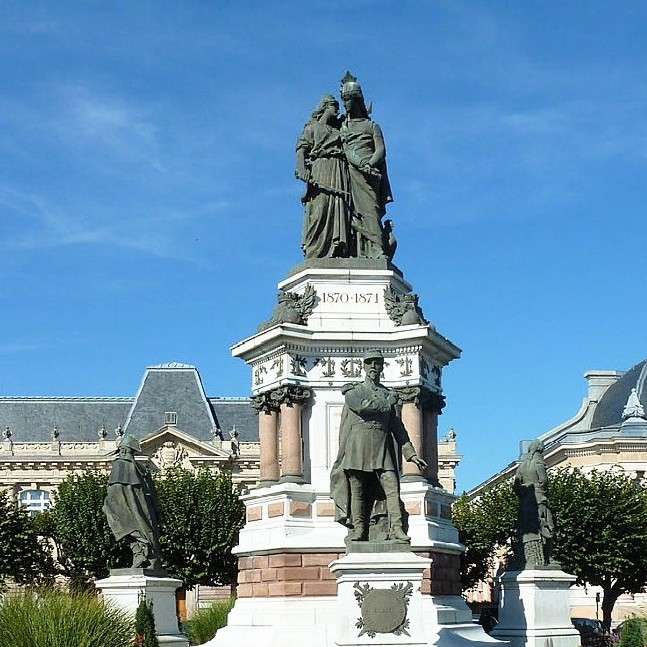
{"type": "Point", "coordinates": [131, 506]}
{"type": "Point", "coordinates": [369, 181]}
{"type": "Point", "coordinates": [536, 524]}
{"type": "Point", "coordinates": [364, 481]}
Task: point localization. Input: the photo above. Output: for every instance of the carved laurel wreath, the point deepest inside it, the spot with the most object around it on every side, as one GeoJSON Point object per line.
{"type": "Point", "coordinates": [384, 611]}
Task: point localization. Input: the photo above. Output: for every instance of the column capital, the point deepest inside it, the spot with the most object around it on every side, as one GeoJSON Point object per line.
{"type": "Point", "coordinates": [436, 402]}
{"type": "Point", "coordinates": [292, 394]}
{"type": "Point", "coordinates": [264, 403]}
{"type": "Point", "coordinates": [409, 394]}
{"type": "Point", "coordinates": [421, 396]}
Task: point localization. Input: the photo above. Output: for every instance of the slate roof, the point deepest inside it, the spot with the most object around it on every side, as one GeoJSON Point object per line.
{"type": "Point", "coordinates": [78, 419]}
{"type": "Point", "coordinates": [236, 412]}
{"type": "Point", "coordinates": [608, 412]}
{"type": "Point", "coordinates": [165, 388]}
{"type": "Point", "coordinates": [171, 388]}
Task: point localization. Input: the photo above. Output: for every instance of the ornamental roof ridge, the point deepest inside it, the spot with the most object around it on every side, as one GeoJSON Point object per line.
{"type": "Point", "coordinates": [66, 398]}
{"type": "Point", "coordinates": [171, 365]}
{"type": "Point", "coordinates": [229, 398]}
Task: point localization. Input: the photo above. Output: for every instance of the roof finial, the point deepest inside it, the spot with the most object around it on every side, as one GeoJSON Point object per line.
{"type": "Point", "coordinates": [633, 408]}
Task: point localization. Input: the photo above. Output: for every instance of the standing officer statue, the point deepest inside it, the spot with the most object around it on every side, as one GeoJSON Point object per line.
{"type": "Point", "coordinates": [365, 482]}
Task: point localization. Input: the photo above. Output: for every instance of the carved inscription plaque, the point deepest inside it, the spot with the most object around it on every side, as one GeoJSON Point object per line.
{"type": "Point", "coordinates": [384, 611]}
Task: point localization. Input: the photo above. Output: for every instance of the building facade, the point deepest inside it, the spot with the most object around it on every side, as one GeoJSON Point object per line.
{"type": "Point", "coordinates": [609, 432]}
{"type": "Point", "coordinates": [43, 439]}
{"type": "Point", "coordinates": [178, 425]}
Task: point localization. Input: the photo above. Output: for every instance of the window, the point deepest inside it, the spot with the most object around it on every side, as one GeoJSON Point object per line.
{"type": "Point", "coordinates": [35, 501]}
{"type": "Point", "coordinates": [170, 418]}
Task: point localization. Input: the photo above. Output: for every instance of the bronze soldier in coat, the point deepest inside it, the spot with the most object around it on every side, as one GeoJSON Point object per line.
{"type": "Point", "coordinates": [365, 475]}
{"type": "Point", "coordinates": [131, 506]}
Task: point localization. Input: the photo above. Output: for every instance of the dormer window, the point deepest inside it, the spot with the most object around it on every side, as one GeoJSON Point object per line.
{"type": "Point", "coordinates": [170, 418]}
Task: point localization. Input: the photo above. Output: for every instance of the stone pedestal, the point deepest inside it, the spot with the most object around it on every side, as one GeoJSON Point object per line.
{"type": "Point", "coordinates": [296, 585]}
{"type": "Point", "coordinates": [124, 589]}
{"type": "Point", "coordinates": [379, 600]}
{"type": "Point", "coordinates": [534, 609]}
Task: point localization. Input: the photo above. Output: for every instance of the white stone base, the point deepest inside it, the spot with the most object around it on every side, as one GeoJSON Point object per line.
{"type": "Point", "coordinates": [534, 609]}
{"type": "Point", "coordinates": [124, 592]}
{"type": "Point", "coordinates": [378, 571]}
{"type": "Point", "coordinates": [313, 621]}
{"type": "Point", "coordinates": [279, 622]}
{"type": "Point", "coordinates": [329, 621]}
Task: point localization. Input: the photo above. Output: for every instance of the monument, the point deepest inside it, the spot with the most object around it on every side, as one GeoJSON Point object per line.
{"type": "Point", "coordinates": [132, 511]}
{"type": "Point", "coordinates": [534, 608]}
{"type": "Point", "coordinates": [346, 543]}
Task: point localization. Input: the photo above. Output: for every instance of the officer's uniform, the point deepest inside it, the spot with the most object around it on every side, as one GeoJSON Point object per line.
{"type": "Point", "coordinates": [368, 429]}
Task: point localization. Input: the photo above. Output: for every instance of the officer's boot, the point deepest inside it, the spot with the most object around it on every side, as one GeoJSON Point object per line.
{"type": "Point", "coordinates": [359, 519]}
{"type": "Point", "coordinates": [139, 553]}
{"type": "Point", "coordinates": [394, 509]}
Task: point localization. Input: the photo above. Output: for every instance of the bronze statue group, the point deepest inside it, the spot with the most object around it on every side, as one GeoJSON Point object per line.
{"type": "Point", "coordinates": [342, 160]}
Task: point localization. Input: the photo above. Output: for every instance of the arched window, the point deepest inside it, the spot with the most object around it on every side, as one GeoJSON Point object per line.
{"type": "Point", "coordinates": [35, 501]}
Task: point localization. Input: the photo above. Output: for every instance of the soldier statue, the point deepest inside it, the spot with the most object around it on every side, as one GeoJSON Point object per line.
{"type": "Point", "coordinates": [364, 482]}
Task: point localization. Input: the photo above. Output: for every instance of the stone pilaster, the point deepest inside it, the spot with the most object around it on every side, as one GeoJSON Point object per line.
{"type": "Point", "coordinates": [291, 399]}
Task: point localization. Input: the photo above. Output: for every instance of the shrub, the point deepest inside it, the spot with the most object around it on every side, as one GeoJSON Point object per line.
{"type": "Point", "coordinates": [145, 625]}
{"type": "Point", "coordinates": [54, 618]}
{"type": "Point", "coordinates": [204, 623]}
{"type": "Point", "coordinates": [633, 633]}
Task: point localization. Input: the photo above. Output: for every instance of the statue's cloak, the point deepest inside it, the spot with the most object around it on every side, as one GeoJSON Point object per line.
{"type": "Point", "coordinates": [131, 504]}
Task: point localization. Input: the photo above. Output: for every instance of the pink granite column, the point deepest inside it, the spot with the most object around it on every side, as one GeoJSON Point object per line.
{"type": "Point", "coordinates": [412, 420]}
{"type": "Point", "coordinates": [268, 432]}
{"type": "Point", "coordinates": [292, 399]}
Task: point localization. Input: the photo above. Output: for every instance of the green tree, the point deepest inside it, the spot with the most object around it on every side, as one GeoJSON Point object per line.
{"type": "Point", "coordinates": [601, 530]}
{"type": "Point", "coordinates": [201, 517]}
{"type": "Point", "coordinates": [25, 558]}
{"type": "Point", "coordinates": [484, 524]}
{"type": "Point", "coordinates": [86, 547]}
{"type": "Point", "coordinates": [601, 520]}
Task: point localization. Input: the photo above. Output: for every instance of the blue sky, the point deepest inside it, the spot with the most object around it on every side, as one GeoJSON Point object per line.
{"type": "Point", "coordinates": [148, 206]}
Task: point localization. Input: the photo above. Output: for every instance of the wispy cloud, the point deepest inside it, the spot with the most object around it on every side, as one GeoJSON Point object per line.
{"type": "Point", "coordinates": [91, 120]}
{"type": "Point", "coordinates": [15, 348]}
{"type": "Point", "coordinates": [38, 224]}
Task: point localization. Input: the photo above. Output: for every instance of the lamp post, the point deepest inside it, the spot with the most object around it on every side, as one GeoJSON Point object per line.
{"type": "Point", "coordinates": [597, 604]}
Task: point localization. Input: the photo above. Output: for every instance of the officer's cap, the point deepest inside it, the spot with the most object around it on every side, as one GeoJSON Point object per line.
{"type": "Point", "coordinates": [373, 353]}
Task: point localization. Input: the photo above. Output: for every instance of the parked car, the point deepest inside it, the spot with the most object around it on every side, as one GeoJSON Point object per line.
{"type": "Point", "coordinates": [592, 632]}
